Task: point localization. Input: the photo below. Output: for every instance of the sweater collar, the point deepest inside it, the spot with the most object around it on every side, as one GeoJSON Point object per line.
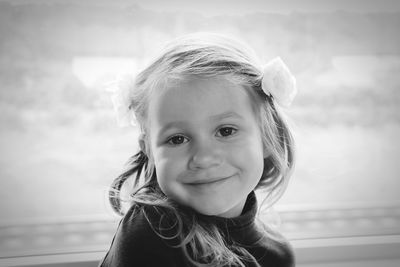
{"type": "Point", "coordinates": [244, 220]}
{"type": "Point", "coordinates": [242, 229]}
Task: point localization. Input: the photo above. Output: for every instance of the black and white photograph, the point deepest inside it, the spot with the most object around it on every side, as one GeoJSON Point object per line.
{"type": "Point", "coordinates": [199, 133]}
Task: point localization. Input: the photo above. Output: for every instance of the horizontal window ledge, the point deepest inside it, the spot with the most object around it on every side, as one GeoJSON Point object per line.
{"type": "Point", "coordinates": [349, 249]}
{"type": "Point", "coordinates": [310, 231]}
{"type": "Point", "coordinates": [82, 259]}
{"type": "Point", "coordinates": [309, 252]}
{"type": "Point", "coordinates": [333, 222]}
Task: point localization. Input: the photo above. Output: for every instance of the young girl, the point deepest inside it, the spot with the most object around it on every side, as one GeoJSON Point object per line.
{"type": "Point", "coordinates": [211, 133]}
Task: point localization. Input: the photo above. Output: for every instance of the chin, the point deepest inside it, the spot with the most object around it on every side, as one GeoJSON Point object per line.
{"type": "Point", "coordinates": [214, 211]}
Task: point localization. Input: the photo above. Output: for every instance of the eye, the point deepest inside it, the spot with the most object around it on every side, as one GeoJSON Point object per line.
{"type": "Point", "coordinates": [227, 131]}
{"type": "Point", "coordinates": [177, 140]}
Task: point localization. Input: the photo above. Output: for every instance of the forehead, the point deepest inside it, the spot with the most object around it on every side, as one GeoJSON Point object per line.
{"type": "Point", "coordinates": [199, 100]}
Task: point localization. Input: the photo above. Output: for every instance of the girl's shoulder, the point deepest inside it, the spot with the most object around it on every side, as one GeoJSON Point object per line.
{"type": "Point", "coordinates": [280, 251]}
{"type": "Point", "coordinates": [137, 243]}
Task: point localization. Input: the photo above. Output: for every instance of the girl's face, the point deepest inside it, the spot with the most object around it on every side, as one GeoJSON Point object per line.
{"type": "Point", "coordinates": [206, 145]}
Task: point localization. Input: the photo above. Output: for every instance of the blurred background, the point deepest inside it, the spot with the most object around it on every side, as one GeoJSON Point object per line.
{"type": "Point", "coordinates": [60, 145]}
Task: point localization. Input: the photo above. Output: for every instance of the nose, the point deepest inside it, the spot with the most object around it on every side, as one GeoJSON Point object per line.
{"type": "Point", "coordinates": [204, 155]}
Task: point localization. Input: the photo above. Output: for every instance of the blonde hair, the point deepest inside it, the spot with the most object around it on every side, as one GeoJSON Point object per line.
{"type": "Point", "coordinates": [206, 55]}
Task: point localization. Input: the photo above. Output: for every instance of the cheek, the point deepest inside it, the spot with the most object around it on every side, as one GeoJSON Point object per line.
{"type": "Point", "coordinates": [168, 169]}
{"type": "Point", "coordinates": [255, 161]}
{"type": "Point", "coordinates": [252, 159]}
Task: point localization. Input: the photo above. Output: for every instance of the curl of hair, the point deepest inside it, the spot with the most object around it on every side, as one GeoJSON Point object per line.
{"type": "Point", "coordinates": [206, 55]}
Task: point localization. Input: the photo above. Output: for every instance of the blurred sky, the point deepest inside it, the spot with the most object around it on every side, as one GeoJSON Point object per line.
{"type": "Point", "coordinates": [216, 7]}
{"type": "Point", "coordinates": [234, 7]}
{"type": "Point", "coordinates": [50, 50]}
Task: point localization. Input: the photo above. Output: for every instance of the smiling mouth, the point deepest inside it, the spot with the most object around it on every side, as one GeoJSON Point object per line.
{"type": "Point", "coordinates": [209, 181]}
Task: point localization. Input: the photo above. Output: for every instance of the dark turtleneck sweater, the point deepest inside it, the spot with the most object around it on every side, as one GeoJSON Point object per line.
{"type": "Point", "coordinates": [136, 244]}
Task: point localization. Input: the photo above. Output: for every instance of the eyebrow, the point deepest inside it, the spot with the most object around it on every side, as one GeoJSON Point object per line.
{"type": "Point", "coordinates": [229, 114]}
{"type": "Point", "coordinates": [225, 115]}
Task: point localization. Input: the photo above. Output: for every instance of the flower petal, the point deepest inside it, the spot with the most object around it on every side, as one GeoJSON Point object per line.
{"type": "Point", "coordinates": [279, 82]}
{"type": "Point", "coordinates": [121, 98]}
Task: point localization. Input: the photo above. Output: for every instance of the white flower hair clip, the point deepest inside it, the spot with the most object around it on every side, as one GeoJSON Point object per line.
{"type": "Point", "coordinates": [121, 99]}
{"type": "Point", "coordinates": [279, 82]}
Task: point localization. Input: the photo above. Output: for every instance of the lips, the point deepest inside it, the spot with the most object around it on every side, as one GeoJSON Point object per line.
{"type": "Point", "coordinates": [209, 180]}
